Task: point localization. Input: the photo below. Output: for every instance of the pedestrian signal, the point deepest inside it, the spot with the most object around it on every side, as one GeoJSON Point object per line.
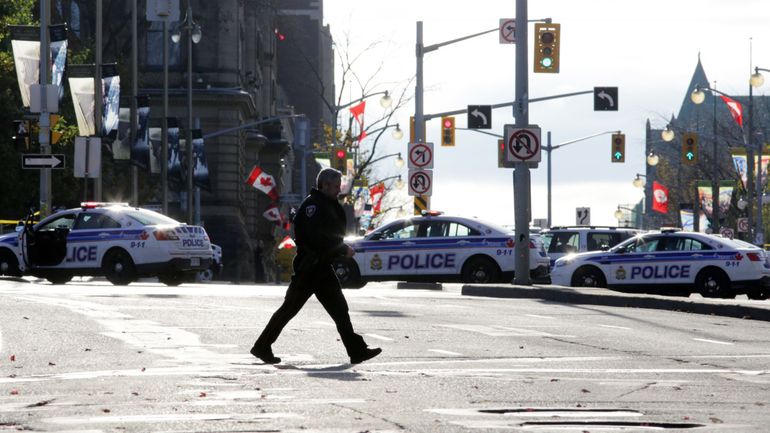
{"type": "Point", "coordinates": [501, 156]}
{"type": "Point", "coordinates": [618, 148]}
{"type": "Point", "coordinates": [689, 148]}
{"type": "Point", "coordinates": [448, 131]}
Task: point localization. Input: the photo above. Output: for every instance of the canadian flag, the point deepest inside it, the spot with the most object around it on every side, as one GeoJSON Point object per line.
{"type": "Point", "coordinates": [659, 197]}
{"type": "Point", "coordinates": [272, 214]}
{"type": "Point", "coordinates": [735, 109]}
{"type": "Point", "coordinates": [376, 193]}
{"type": "Point", "coordinates": [263, 182]}
{"type": "Point", "coordinates": [287, 242]}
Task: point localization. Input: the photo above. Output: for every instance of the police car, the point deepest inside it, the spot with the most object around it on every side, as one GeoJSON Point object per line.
{"type": "Point", "coordinates": [672, 261]}
{"type": "Point", "coordinates": [119, 242]}
{"type": "Point", "coordinates": [436, 248]}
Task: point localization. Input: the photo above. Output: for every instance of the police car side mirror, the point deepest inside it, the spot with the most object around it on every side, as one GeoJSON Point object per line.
{"type": "Point", "coordinates": [375, 237]}
{"type": "Point", "coordinates": [605, 248]}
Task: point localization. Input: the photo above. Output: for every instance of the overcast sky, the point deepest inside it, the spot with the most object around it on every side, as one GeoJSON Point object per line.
{"type": "Point", "coordinates": [648, 49]}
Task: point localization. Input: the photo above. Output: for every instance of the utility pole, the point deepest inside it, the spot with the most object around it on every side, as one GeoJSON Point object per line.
{"type": "Point", "coordinates": [45, 120]}
{"type": "Point", "coordinates": [521, 176]}
{"type": "Point", "coordinates": [98, 99]}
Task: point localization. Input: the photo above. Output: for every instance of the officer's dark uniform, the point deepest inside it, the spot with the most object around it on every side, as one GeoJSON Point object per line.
{"type": "Point", "coordinates": [319, 229]}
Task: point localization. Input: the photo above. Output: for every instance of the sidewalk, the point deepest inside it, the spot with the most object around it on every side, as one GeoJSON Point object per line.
{"type": "Point", "coordinates": [738, 308]}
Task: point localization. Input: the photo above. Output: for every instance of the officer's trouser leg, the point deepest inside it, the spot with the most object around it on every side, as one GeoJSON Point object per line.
{"type": "Point", "coordinates": [330, 295]}
{"type": "Point", "coordinates": [293, 301]}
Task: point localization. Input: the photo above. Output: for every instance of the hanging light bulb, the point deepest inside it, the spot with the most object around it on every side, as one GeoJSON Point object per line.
{"type": "Point", "coordinates": [667, 134]}
{"type": "Point", "coordinates": [397, 133]}
{"type": "Point", "coordinates": [652, 159]}
{"type": "Point", "coordinates": [386, 101]}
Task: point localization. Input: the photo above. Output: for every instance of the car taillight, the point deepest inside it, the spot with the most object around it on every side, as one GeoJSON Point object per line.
{"type": "Point", "coordinates": [754, 257]}
{"type": "Point", "coordinates": [165, 235]}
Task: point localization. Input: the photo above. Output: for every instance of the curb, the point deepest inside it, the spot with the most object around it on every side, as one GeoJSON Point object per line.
{"type": "Point", "coordinates": [720, 307]}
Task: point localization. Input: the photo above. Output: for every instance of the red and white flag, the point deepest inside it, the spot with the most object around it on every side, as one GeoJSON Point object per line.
{"type": "Point", "coordinates": [273, 214]}
{"type": "Point", "coordinates": [659, 197]}
{"type": "Point", "coordinates": [735, 109]}
{"type": "Point", "coordinates": [358, 113]}
{"type": "Point", "coordinates": [263, 182]}
{"type": "Point", "coordinates": [376, 192]}
{"type": "Point", "coordinates": [287, 242]}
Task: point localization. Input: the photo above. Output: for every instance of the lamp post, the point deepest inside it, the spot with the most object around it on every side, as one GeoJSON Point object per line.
{"type": "Point", "coordinates": [194, 32]}
{"type": "Point", "coordinates": [619, 214]}
{"type": "Point", "coordinates": [385, 102]}
{"type": "Point", "coordinates": [638, 182]}
{"type": "Point", "coordinates": [756, 80]}
{"type": "Point", "coordinates": [549, 148]}
{"type": "Point", "coordinates": [698, 96]}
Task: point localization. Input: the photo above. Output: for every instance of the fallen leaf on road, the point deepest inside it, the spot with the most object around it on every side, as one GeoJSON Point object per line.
{"type": "Point", "coordinates": [202, 394]}
{"type": "Point", "coordinates": [13, 358]}
{"type": "Point", "coordinates": [106, 410]}
{"type": "Point", "coordinates": [40, 403]}
{"type": "Point", "coordinates": [51, 363]}
{"type": "Point", "coordinates": [14, 392]}
{"type": "Point", "coordinates": [143, 369]}
{"type": "Point", "coordinates": [585, 390]}
{"type": "Point", "coordinates": [554, 380]}
{"type": "Point", "coordinates": [715, 420]}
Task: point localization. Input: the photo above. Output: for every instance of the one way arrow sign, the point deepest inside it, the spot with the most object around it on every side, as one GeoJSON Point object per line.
{"type": "Point", "coordinates": [36, 160]}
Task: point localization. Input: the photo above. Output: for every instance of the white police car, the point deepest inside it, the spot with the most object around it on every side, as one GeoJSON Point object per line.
{"type": "Point", "coordinates": [435, 248]}
{"type": "Point", "coordinates": [672, 261]}
{"type": "Point", "coordinates": [112, 239]}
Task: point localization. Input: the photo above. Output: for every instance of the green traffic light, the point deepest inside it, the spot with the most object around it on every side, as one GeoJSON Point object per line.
{"type": "Point", "coordinates": [690, 156]}
{"type": "Point", "coordinates": [618, 155]}
{"type": "Point", "coordinates": [547, 62]}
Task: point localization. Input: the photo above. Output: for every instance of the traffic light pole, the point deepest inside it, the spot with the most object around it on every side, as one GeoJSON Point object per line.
{"type": "Point", "coordinates": [521, 175]}
{"type": "Point", "coordinates": [45, 121]}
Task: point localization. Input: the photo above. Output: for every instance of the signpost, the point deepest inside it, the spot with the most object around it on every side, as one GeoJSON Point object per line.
{"type": "Point", "coordinates": [420, 182]}
{"type": "Point", "coordinates": [507, 30]}
{"type": "Point", "coordinates": [605, 99]}
{"type": "Point", "coordinates": [522, 144]}
{"type": "Point", "coordinates": [420, 155]}
{"type": "Point", "coordinates": [480, 116]}
{"type": "Point", "coordinates": [583, 216]}
{"type": "Point", "coordinates": [39, 160]}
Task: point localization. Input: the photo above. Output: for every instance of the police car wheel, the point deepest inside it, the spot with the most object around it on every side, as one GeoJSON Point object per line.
{"type": "Point", "coordinates": [588, 276]}
{"type": "Point", "coordinates": [118, 267]}
{"type": "Point", "coordinates": [206, 275]}
{"type": "Point", "coordinates": [8, 264]}
{"type": "Point", "coordinates": [479, 270]}
{"type": "Point", "coordinates": [713, 283]}
{"type": "Point", "coordinates": [60, 278]}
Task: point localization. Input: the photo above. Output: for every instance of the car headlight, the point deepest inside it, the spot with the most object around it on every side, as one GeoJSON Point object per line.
{"type": "Point", "coordinates": [564, 261]}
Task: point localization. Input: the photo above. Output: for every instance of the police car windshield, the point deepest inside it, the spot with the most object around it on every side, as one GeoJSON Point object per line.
{"type": "Point", "coordinates": [149, 218]}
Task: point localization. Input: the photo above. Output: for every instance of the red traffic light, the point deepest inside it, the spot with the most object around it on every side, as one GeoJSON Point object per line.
{"type": "Point", "coordinates": [340, 153]}
{"type": "Point", "coordinates": [448, 123]}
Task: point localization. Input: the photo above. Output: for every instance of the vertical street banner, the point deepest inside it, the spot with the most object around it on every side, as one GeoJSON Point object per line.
{"type": "Point", "coordinates": [25, 42]}
{"type": "Point", "coordinates": [174, 162]}
{"type": "Point", "coordinates": [201, 167]}
{"type": "Point", "coordinates": [659, 197]}
{"type": "Point", "coordinates": [740, 162]}
{"type": "Point", "coordinates": [704, 222]}
{"type": "Point", "coordinates": [121, 146]}
{"type": "Point", "coordinates": [705, 197]}
{"type": "Point", "coordinates": [110, 98]}
{"type": "Point", "coordinates": [58, 47]}
{"type": "Point", "coordinates": [687, 219]}
{"type": "Point", "coordinates": [140, 148]}
{"type": "Point", "coordinates": [726, 188]}
{"type": "Point", "coordinates": [81, 82]}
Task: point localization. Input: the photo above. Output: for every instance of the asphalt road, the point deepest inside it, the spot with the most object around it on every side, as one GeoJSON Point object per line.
{"type": "Point", "coordinates": [92, 357]}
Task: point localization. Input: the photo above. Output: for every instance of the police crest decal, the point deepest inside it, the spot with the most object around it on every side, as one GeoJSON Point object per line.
{"type": "Point", "coordinates": [376, 263]}
{"type": "Point", "coordinates": [620, 274]}
{"type": "Point", "coordinates": [310, 211]}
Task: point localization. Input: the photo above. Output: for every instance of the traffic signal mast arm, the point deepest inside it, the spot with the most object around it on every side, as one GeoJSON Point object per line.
{"type": "Point", "coordinates": [248, 125]}
{"type": "Point", "coordinates": [435, 47]}
{"type": "Point", "coordinates": [507, 104]}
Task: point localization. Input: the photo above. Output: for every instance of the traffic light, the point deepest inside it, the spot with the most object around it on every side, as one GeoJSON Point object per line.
{"type": "Point", "coordinates": [547, 40]}
{"type": "Point", "coordinates": [339, 159]}
{"type": "Point", "coordinates": [501, 156]}
{"type": "Point", "coordinates": [689, 148]}
{"type": "Point", "coordinates": [618, 148]}
{"type": "Point", "coordinates": [447, 131]}
{"type": "Point", "coordinates": [20, 135]}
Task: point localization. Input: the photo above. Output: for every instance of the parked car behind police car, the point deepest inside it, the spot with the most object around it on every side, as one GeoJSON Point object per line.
{"type": "Point", "coordinates": [436, 248]}
{"type": "Point", "coordinates": [682, 262]}
{"type": "Point", "coordinates": [112, 239]}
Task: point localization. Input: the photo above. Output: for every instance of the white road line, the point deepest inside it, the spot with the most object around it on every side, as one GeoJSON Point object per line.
{"type": "Point", "coordinates": [537, 316]}
{"type": "Point", "coordinates": [379, 337]}
{"type": "Point", "coordinates": [614, 327]}
{"type": "Point", "coordinates": [705, 340]}
{"type": "Point", "coordinates": [444, 352]}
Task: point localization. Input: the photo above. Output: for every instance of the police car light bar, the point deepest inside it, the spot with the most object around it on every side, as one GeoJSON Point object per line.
{"type": "Point", "coordinates": [431, 213]}
{"type": "Point", "coordinates": [96, 204]}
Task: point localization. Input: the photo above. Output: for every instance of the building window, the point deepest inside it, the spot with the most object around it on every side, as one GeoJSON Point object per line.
{"type": "Point", "coordinates": [154, 47]}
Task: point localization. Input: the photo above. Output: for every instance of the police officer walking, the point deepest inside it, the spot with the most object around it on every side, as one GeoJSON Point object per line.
{"type": "Point", "coordinates": [319, 229]}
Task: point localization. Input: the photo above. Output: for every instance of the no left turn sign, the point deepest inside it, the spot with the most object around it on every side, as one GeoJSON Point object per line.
{"type": "Point", "coordinates": [420, 155]}
{"type": "Point", "coordinates": [507, 30]}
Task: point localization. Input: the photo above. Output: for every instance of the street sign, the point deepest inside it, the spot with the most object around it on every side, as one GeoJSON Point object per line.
{"type": "Point", "coordinates": [743, 225]}
{"type": "Point", "coordinates": [421, 203]}
{"type": "Point", "coordinates": [605, 99]}
{"type": "Point", "coordinates": [420, 182]}
{"type": "Point", "coordinates": [507, 30]}
{"type": "Point", "coordinates": [39, 160]}
{"type": "Point", "coordinates": [420, 155]}
{"type": "Point", "coordinates": [583, 216]}
{"type": "Point", "coordinates": [727, 232]}
{"type": "Point", "coordinates": [88, 157]}
{"type": "Point", "coordinates": [480, 116]}
{"type": "Point", "coordinates": [522, 144]}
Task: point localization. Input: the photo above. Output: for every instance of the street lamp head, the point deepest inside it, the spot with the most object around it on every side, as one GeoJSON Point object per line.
{"type": "Point", "coordinates": [400, 183]}
{"type": "Point", "coordinates": [176, 35]}
{"type": "Point", "coordinates": [652, 159]}
{"type": "Point", "coordinates": [196, 34]}
{"type": "Point", "coordinates": [638, 181]}
{"type": "Point", "coordinates": [757, 79]}
{"type": "Point", "coordinates": [618, 214]}
{"type": "Point", "coordinates": [399, 161]}
{"type": "Point", "coordinates": [698, 95]}
{"type": "Point", "coordinates": [668, 134]}
{"type": "Point", "coordinates": [397, 133]}
{"type": "Point", "coordinates": [386, 101]}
